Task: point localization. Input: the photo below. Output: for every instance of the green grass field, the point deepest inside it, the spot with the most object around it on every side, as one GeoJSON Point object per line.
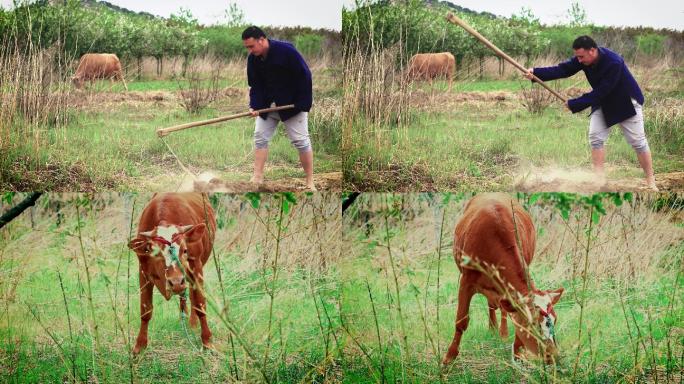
{"type": "Point", "coordinates": [173, 85]}
{"type": "Point", "coordinates": [632, 320]}
{"type": "Point", "coordinates": [110, 141]}
{"type": "Point", "coordinates": [479, 137]}
{"type": "Point", "coordinates": [50, 333]}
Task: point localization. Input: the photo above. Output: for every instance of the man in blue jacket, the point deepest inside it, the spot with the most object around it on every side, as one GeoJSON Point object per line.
{"type": "Point", "coordinates": [615, 99]}
{"type": "Point", "coordinates": [278, 75]}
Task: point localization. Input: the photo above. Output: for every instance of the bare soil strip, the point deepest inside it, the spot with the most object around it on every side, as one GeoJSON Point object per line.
{"type": "Point", "coordinates": [584, 181]}
{"type": "Point", "coordinates": [324, 181]}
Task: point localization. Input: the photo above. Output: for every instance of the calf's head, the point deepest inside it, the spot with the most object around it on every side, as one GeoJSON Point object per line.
{"type": "Point", "coordinates": [163, 254]}
{"type": "Point", "coordinates": [77, 81]}
{"type": "Point", "coordinates": [535, 320]}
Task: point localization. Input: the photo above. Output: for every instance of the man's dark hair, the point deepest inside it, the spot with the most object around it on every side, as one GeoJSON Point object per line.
{"type": "Point", "coordinates": [253, 32]}
{"type": "Point", "coordinates": [584, 42]}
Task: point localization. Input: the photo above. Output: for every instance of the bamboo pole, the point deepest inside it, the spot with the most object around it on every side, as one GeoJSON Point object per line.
{"type": "Point", "coordinates": [161, 132]}
{"type": "Point", "coordinates": [456, 20]}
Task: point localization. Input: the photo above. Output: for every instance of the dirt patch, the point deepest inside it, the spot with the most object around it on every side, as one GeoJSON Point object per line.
{"type": "Point", "coordinates": [96, 100]}
{"type": "Point", "coordinates": [397, 177]}
{"type": "Point", "coordinates": [87, 99]}
{"type": "Point", "coordinates": [440, 100]}
{"type": "Point", "coordinates": [419, 95]}
{"type": "Point", "coordinates": [233, 92]}
{"type": "Point", "coordinates": [207, 182]}
{"type": "Point", "coordinates": [494, 96]}
{"type": "Point", "coordinates": [585, 181]}
{"type": "Point", "coordinates": [673, 181]}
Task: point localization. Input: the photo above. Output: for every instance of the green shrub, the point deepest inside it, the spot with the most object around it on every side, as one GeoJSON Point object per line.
{"type": "Point", "coordinates": [650, 44]}
{"type": "Point", "coordinates": [223, 41]}
{"type": "Point", "coordinates": [308, 44]}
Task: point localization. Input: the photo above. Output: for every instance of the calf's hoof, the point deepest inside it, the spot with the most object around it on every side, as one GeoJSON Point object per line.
{"type": "Point", "coordinates": [138, 349]}
{"type": "Point", "coordinates": [447, 361]}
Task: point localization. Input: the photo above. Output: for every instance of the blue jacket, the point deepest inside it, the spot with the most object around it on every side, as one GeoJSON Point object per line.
{"type": "Point", "coordinates": [613, 85]}
{"type": "Point", "coordinates": [283, 77]}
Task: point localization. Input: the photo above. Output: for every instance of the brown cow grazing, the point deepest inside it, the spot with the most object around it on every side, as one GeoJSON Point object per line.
{"type": "Point", "coordinates": [493, 244]}
{"type": "Point", "coordinates": [431, 65]}
{"type": "Point", "coordinates": [174, 241]}
{"type": "Point", "coordinates": [93, 66]}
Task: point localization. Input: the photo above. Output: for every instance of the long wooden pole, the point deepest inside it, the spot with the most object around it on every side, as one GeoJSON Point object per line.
{"type": "Point", "coordinates": [161, 132]}
{"type": "Point", "coordinates": [456, 20]}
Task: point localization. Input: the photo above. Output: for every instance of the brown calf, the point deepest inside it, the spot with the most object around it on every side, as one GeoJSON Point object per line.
{"type": "Point", "coordinates": [93, 66]}
{"type": "Point", "coordinates": [493, 244]}
{"type": "Point", "coordinates": [174, 241]}
{"type": "Point", "coordinates": [431, 65]}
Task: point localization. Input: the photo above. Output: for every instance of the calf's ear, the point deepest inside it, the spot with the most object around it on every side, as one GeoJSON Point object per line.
{"type": "Point", "coordinates": [556, 295]}
{"type": "Point", "coordinates": [139, 244]}
{"type": "Point", "coordinates": [194, 232]}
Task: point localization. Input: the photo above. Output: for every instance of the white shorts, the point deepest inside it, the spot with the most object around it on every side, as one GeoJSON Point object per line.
{"type": "Point", "coordinates": [632, 129]}
{"type": "Point", "coordinates": [297, 128]}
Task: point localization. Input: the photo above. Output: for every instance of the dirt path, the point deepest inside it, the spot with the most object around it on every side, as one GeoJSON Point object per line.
{"type": "Point", "coordinates": [209, 182]}
{"type": "Point", "coordinates": [584, 181]}
{"type": "Point", "coordinates": [96, 100]}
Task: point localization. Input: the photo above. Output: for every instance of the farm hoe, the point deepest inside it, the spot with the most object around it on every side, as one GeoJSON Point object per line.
{"type": "Point", "coordinates": [161, 132]}
{"type": "Point", "coordinates": [456, 20]}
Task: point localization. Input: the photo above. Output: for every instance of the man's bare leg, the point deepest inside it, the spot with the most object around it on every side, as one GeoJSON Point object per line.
{"type": "Point", "coordinates": [260, 156]}
{"type": "Point", "coordinates": [306, 158]}
{"type": "Point", "coordinates": [598, 157]}
{"type": "Point", "coordinates": [647, 165]}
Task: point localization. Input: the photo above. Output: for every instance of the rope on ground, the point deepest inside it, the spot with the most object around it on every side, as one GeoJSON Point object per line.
{"type": "Point", "coordinates": [183, 320]}
{"type": "Point", "coordinates": [183, 298]}
{"type": "Point", "coordinates": [244, 158]}
{"type": "Point", "coordinates": [177, 159]}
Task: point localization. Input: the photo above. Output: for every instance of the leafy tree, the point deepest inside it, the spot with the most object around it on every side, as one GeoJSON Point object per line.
{"type": "Point", "coordinates": [577, 16]}
{"type": "Point", "coordinates": [234, 16]}
{"type": "Point", "coordinates": [139, 40]}
{"type": "Point", "coordinates": [222, 41]}
{"type": "Point", "coordinates": [183, 36]}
